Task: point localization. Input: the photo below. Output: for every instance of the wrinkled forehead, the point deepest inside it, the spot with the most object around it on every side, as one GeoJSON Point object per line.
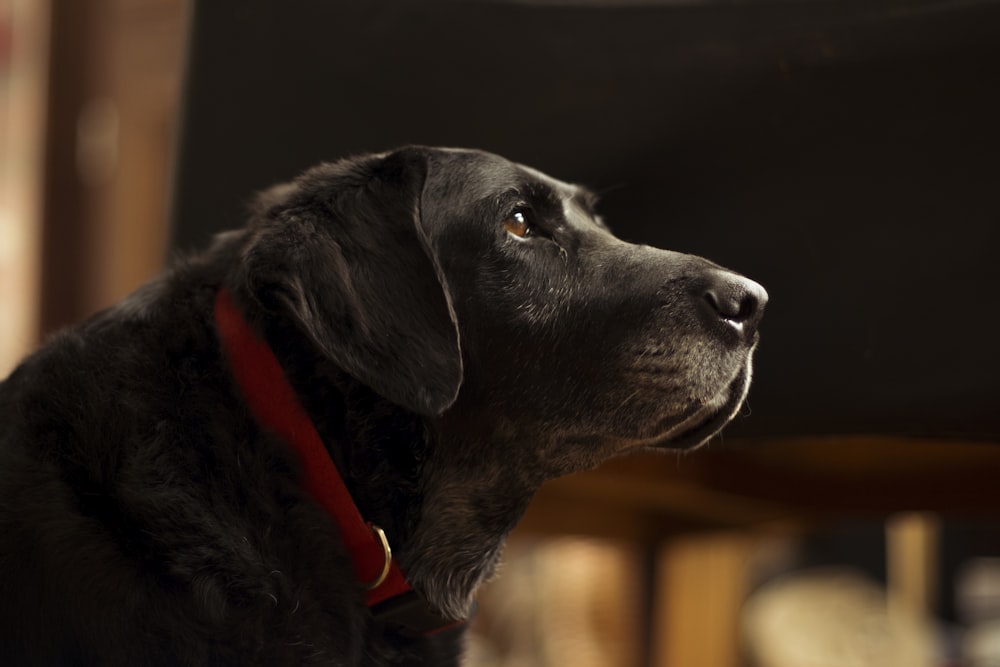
{"type": "Point", "coordinates": [567, 191]}
{"type": "Point", "coordinates": [474, 176]}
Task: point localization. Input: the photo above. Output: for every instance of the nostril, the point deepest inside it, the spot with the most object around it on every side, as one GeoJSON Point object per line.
{"type": "Point", "coordinates": [716, 302]}
{"type": "Point", "coordinates": [748, 308]}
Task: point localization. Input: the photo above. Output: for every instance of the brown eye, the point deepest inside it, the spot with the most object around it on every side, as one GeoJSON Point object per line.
{"type": "Point", "coordinates": [518, 225]}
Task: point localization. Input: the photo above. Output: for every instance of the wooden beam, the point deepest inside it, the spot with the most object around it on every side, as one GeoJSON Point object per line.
{"type": "Point", "coordinates": [860, 474]}
{"type": "Point", "coordinates": [700, 587]}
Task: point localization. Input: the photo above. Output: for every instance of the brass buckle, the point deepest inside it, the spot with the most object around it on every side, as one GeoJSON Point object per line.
{"type": "Point", "coordinates": [387, 552]}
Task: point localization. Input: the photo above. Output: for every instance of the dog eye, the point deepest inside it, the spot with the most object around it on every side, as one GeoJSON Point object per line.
{"type": "Point", "coordinates": [519, 224]}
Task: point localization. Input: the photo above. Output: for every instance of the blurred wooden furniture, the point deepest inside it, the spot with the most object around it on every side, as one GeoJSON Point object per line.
{"type": "Point", "coordinates": [23, 62]}
{"type": "Point", "coordinates": [729, 492]}
{"type": "Point", "coordinates": [752, 482]}
{"type": "Point", "coordinates": [113, 91]}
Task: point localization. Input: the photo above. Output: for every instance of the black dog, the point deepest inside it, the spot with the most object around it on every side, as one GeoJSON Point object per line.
{"type": "Point", "coordinates": [450, 328]}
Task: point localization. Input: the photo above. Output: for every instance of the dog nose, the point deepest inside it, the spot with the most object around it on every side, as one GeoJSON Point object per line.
{"type": "Point", "coordinates": [739, 302]}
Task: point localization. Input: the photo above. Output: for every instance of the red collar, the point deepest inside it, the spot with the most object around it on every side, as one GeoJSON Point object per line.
{"type": "Point", "coordinates": [273, 403]}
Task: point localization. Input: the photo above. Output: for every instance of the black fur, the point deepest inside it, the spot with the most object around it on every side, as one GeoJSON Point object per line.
{"type": "Point", "coordinates": [450, 367]}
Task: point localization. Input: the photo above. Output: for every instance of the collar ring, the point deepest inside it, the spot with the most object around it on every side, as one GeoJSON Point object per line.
{"type": "Point", "coordinates": [386, 563]}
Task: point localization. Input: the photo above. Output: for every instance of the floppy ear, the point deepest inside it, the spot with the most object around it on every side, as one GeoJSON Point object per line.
{"type": "Point", "coordinates": [343, 252]}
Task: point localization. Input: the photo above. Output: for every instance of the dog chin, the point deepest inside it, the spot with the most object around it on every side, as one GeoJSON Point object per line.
{"type": "Point", "coordinates": [701, 426]}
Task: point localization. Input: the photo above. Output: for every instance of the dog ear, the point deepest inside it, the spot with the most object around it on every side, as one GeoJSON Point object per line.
{"type": "Point", "coordinates": [343, 252]}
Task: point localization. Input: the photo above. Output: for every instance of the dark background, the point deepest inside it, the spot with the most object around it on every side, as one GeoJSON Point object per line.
{"type": "Point", "coordinates": [844, 154]}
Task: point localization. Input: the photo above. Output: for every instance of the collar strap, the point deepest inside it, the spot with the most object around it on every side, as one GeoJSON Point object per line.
{"type": "Point", "coordinates": [275, 406]}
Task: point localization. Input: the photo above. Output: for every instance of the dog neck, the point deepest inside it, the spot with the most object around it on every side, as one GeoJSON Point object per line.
{"type": "Point", "coordinates": [463, 527]}
{"type": "Point", "coordinates": [275, 406]}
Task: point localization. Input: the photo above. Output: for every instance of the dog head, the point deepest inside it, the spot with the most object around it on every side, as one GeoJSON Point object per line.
{"type": "Point", "coordinates": [471, 289]}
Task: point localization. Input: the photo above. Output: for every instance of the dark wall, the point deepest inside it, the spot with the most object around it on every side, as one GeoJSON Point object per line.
{"type": "Point", "coordinates": [844, 154]}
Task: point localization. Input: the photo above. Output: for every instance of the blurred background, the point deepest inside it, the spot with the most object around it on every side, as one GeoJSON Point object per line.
{"type": "Point", "coordinates": [843, 153]}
